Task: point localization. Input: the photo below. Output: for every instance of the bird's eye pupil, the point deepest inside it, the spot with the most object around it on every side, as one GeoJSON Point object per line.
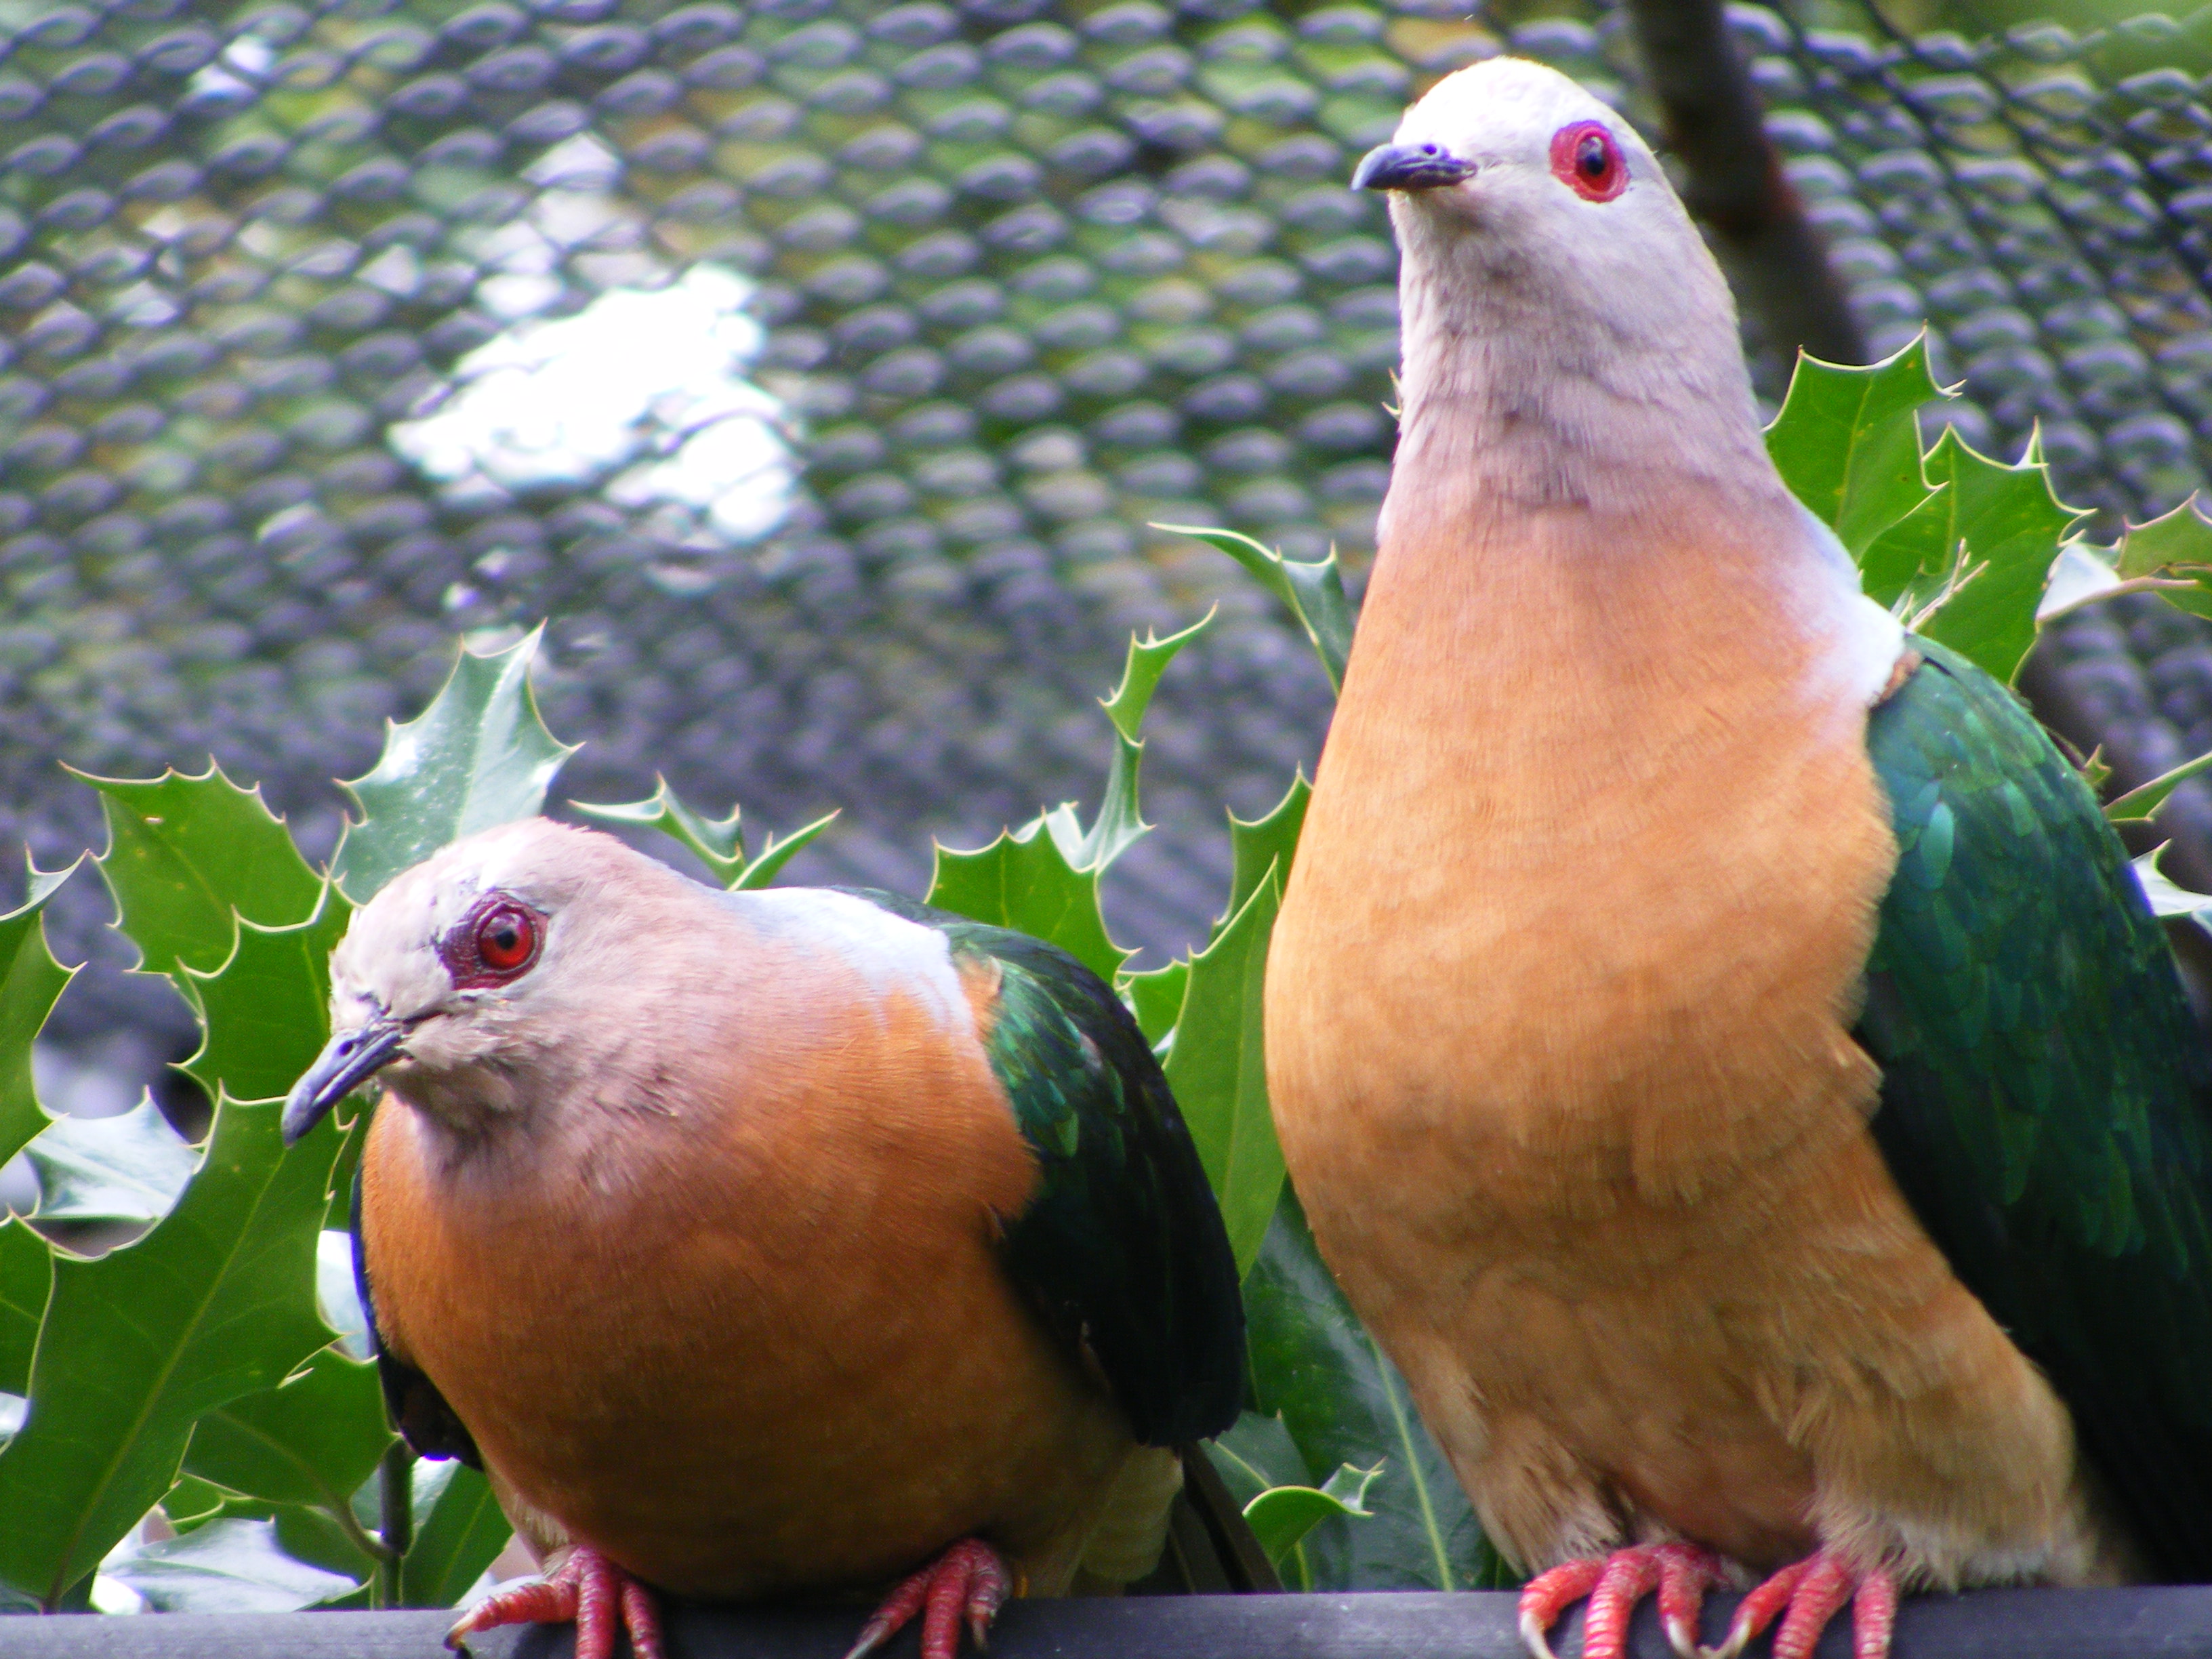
{"type": "Point", "coordinates": [1586, 158]}
{"type": "Point", "coordinates": [507, 940]}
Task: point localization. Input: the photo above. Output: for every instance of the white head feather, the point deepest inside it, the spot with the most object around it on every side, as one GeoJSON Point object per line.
{"type": "Point", "coordinates": [1566, 352]}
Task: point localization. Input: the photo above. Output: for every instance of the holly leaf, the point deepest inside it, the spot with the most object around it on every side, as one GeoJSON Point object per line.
{"type": "Point", "coordinates": [1120, 823]}
{"type": "Point", "coordinates": [458, 1530]}
{"type": "Point", "coordinates": [1032, 879]}
{"type": "Point", "coordinates": [2168, 898]}
{"type": "Point", "coordinates": [1312, 589]}
{"type": "Point", "coordinates": [478, 757]}
{"type": "Point", "coordinates": [1281, 1517]}
{"type": "Point", "coordinates": [718, 843]}
{"type": "Point", "coordinates": [1156, 999]}
{"type": "Point", "coordinates": [1847, 441]}
{"type": "Point", "coordinates": [1218, 1072]}
{"type": "Point", "coordinates": [1313, 1363]}
{"type": "Point", "coordinates": [31, 981]}
{"type": "Point", "coordinates": [224, 1566]}
{"type": "Point", "coordinates": [26, 1275]}
{"type": "Point", "coordinates": [1264, 843]}
{"type": "Point", "coordinates": [130, 1166]}
{"type": "Point", "coordinates": [2141, 804]}
{"type": "Point", "coordinates": [216, 1302]}
{"type": "Point", "coordinates": [185, 854]}
{"type": "Point", "coordinates": [265, 1012]}
{"type": "Point", "coordinates": [2182, 538]}
{"type": "Point", "coordinates": [311, 1441]}
{"type": "Point", "coordinates": [1981, 551]}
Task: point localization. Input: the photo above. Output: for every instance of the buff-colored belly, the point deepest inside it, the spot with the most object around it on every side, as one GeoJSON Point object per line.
{"type": "Point", "coordinates": [1558, 1012]}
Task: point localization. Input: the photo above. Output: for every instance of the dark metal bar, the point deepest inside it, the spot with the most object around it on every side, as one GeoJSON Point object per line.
{"type": "Point", "coordinates": [2167, 1623]}
{"type": "Point", "coordinates": [1735, 183]}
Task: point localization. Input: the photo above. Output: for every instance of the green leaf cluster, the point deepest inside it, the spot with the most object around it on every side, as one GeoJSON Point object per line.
{"type": "Point", "coordinates": [185, 1421]}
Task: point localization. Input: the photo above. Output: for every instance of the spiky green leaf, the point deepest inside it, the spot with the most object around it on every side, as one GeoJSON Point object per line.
{"type": "Point", "coordinates": [1219, 1071]}
{"type": "Point", "coordinates": [1281, 1517]}
{"type": "Point", "coordinates": [1848, 445]}
{"type": "Point", "coordinates": [2182, 538]}
{"type": "Point", "coordinates": [1982, 551]}
{"type": "Point", "coordinates": [265, 1011]}
{"type": "Point", "coordinates": [1121, 822]}
{"type": "Point", "coordinates": [1343, 1403]}
{"type": "Point", "coordinates": [130, 1166]}
{"type": "Point", "coordinates": [1313, 589]}
{"type": "Point", "coordinates": [216, 1302]}
{"type": "Point", "coordinates": [1156, 998]}
{"type": "Point", "coordinates": [31, 981]}
{"type": "Point", "coordinates": [478, 757]}
{"type": "Point", "coordinates": [312, 1440]}
{"type": "Point", "coordinates": [718, 843]}
{"type": "Point", "coordinates": [2141, 804]}
{"type": "Point", "coordinates": [1266, 842]}
{"type": "Point", "coordinates": [184, 853]}
{"type": "Point", "coordinates": [1032, 879]}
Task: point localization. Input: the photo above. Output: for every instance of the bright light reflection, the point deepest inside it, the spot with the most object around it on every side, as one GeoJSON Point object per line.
{"type": "Point", "coordinates": [651, 379]}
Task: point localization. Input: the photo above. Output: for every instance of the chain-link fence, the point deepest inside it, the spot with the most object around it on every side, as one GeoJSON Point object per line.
{"type": "Point", "coordinates": [817, 366]}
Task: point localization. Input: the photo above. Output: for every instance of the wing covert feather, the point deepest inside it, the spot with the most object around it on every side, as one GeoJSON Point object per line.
{"type": "Point", "coordinates": [2044, 1101]}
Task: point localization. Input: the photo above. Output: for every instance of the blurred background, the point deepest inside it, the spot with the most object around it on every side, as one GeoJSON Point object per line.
{"type": "Point", "coordinates": [817, 366]}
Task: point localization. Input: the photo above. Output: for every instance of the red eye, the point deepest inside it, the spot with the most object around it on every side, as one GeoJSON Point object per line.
{"type": "Point", "coordinates": [1585, 156]}
{"type": "Point", "coordinates": [506, 938]}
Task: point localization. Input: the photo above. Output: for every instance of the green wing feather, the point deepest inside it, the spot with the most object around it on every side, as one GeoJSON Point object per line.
{"type": "Point", "coordinates": [2044, 1105]}
{"type": "Point", "coordinates": [1122, 1251]}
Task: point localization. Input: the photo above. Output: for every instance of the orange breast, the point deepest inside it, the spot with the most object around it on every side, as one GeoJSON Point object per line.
{"type": "Point", "coordinates": [760, 1347]}
{"type": "Point", "coordinates": [1566, 967]}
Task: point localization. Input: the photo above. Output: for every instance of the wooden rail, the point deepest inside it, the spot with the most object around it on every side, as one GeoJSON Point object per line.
{"type": "Point", "coordinates": [2119, 1624]}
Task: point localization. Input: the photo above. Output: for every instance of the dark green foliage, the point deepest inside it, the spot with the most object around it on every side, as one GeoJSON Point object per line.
{"type": "Point", "coordinates": [2044, 1105]}
{"type": "Point", "coordinates": [1122, 1247]}
{"type": "Point", "coordinates": [1343, 1403]}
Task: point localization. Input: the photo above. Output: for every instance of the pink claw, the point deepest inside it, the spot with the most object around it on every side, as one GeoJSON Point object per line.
{"type": "Point", "coordinates": [1806, 1595]}
{"type": "Point", "coordinates": [589, 1589]}
{"type": "Point", "coordinates": [1680, 1573]}
{"type": "Point", "coordinates": [970, 1578]}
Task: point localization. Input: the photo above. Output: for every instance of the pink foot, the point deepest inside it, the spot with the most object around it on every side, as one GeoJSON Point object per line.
{"type": "Point", "coordinates": [967, 1579]}
{"type": "Point", "coordinates": [1681, 1572]}
{"type": "Point", "coordinates": [586, 1588]}
{"type": "Point", "coordinates": [1812, 1591]}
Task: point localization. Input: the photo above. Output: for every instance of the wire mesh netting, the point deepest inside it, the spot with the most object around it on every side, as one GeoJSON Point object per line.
{"type": "Point", "coordinates": [818, 365]}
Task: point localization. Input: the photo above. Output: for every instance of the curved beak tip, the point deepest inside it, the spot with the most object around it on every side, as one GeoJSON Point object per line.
{"type": "Point", "coordinates": [1410, 166]}
{"type": "Point", "coordinates": [348, 1060]}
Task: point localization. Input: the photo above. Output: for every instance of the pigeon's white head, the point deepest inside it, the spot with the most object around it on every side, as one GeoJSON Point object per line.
{"type": "Point", "coordinates": [463, 981]}
{"type": "Point", "coordinates": [1544, 248]}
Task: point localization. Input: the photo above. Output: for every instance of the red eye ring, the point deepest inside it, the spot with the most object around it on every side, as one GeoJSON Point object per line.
{"type": "Point", "coordinates": [501, 941]}
{"type": "Point", "coordinates": [1586, 158]}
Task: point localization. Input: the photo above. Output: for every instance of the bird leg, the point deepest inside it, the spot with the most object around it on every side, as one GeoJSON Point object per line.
{"type": "Point", "coordinates": [1812, 1591]}
{"type": "Point", "coordinates": [586, 1588]}
{"type": "Point", "coordinates": [1681, 1572]}
{"type": "Point", "coordinates": [969, 1579]}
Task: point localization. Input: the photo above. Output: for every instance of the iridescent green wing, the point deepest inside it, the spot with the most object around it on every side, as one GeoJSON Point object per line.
{"type": "Point", "coordinates": [2044, 1102]}
{"type": "Point", "coordinates": [1122, 1251]}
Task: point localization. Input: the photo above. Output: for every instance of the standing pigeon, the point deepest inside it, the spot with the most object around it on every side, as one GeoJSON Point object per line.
{"type": "Point", "coordinates": [1723, 1052]}
{"type": "Point", "coordinates": [777, 1242]}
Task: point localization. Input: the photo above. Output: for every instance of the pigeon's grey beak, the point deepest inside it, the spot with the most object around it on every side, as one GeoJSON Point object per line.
{"type": "Point", "coordinates": [1410, 166]}
{"type": "Point", "coordinates": [348, 1061]}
